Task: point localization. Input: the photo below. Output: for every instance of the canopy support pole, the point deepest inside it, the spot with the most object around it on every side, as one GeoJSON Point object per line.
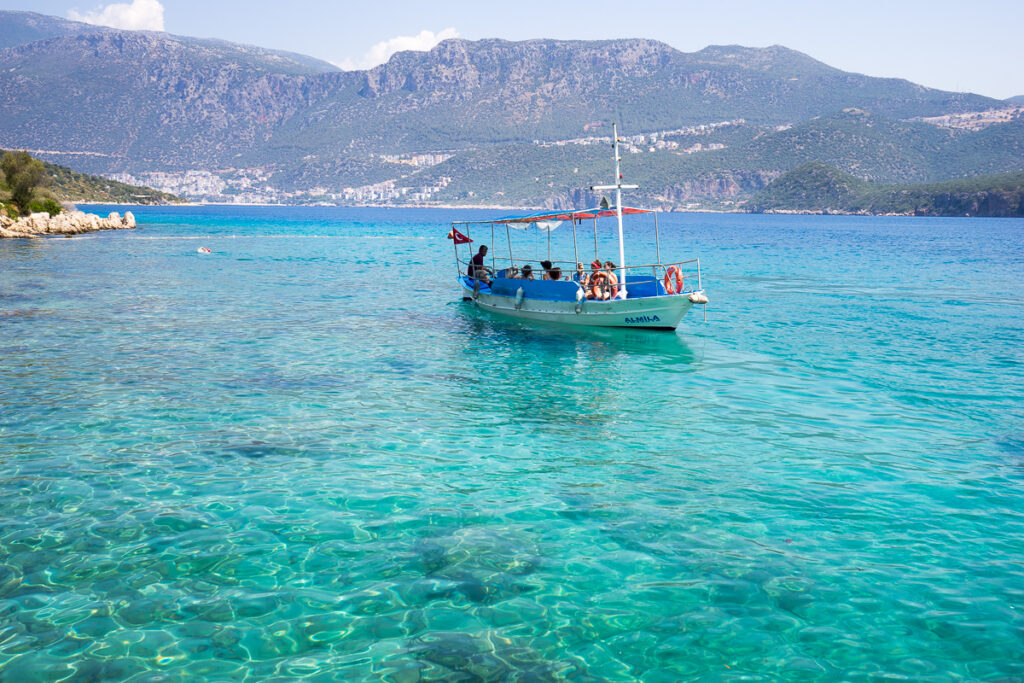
{"type": "Point", "coordinates": [492, 250]}
{"type": "Point", "coordinates": [595, 240]}
{"type": "Point", "coordinates": [618, 209]}
{"type": "Point", "coordinates": [508, 238]}
{"type": "Point", "coordinates": [657, 240]}
{"type": "Point", "coordinates": [575, 249]}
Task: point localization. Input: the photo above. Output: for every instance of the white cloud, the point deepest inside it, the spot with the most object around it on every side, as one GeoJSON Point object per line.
{"type": "Point", "coordinates": [382, 51]}
{"type": "Point", "coordinates": [140, 15]}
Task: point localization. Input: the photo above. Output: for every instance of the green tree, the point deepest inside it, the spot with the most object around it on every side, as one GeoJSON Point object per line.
{"type": "Point", "coordinates": [24, 176]}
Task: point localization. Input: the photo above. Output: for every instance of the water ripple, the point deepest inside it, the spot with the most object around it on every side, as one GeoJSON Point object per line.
{"type": "Point", "coordinates": [265, 464]}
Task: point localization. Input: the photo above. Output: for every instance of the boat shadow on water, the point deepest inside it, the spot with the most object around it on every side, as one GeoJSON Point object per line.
{"type": "Point", "coordinates": [564, 380]}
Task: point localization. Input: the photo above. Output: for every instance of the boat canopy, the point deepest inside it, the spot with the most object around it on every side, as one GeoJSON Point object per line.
{"type": "Point", "coordinates": [548, 216]}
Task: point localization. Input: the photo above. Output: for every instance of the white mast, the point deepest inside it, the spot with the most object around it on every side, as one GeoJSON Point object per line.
{"type": "Point", "coordinates": [618, 187]}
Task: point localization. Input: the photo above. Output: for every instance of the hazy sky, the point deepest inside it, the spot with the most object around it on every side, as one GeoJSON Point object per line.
{"type": "Point", "coordinates": [964, 45]}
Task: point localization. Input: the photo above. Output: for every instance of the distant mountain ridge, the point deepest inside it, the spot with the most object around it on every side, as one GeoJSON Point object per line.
{"type": "Point", "coordinates": [109, 101]}
{"type": "Point", "coordinates": [21, 28]}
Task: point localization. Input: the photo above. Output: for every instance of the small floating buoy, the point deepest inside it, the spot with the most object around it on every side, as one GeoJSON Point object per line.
{"type": "Point", "coordinates": [203, 250]}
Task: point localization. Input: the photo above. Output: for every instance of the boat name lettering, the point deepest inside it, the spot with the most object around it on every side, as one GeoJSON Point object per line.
{"type": "Point", "coordinates": [643, 319]}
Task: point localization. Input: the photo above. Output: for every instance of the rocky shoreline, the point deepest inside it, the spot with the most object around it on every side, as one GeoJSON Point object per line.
{"type": "Point", "coordinates": [67, 224]}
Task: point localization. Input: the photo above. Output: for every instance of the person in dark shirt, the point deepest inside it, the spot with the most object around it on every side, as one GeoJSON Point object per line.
{"type": "Point", "coordinates": [477, 269]}
{"type": "Point", "coordinates": [551, 272]}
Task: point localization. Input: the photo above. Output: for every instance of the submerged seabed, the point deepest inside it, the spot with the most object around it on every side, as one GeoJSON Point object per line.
{"type": "Point", "coordinates": [302, 456]}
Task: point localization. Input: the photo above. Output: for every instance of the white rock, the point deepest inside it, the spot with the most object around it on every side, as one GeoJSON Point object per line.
{"type": "Point", "coordinates": [68, 223]}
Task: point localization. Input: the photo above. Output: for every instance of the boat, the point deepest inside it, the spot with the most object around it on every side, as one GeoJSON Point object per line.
{"type": "Point", "coordinates": [652, 296]}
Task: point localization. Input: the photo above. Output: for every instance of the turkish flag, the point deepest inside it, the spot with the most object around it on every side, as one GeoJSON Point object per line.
{"type": "Point", "coordinates": [458, 237]}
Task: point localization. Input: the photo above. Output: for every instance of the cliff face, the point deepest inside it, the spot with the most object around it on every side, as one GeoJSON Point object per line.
{"type": "Point", "coordinates": [997, 203]}
{"type": "Point", "coordinates": [481, 92]}
{"type": "Point", "coordinates": [726, 185]}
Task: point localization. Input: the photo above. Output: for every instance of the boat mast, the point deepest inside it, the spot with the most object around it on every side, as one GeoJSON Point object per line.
{"type": "Point", "coordinates": [618, 187]}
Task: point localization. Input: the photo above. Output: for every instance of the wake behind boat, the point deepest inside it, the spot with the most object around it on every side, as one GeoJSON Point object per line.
{"type": "Point", "coordinates": [655, 295]}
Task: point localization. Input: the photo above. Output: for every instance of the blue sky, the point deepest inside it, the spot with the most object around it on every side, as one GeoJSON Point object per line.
{"type": "Point", "coordinates": [973, 46]}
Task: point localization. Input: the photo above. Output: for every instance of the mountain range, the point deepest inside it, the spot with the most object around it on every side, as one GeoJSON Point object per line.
{"type": "Point", "coordinates": [473, 122]}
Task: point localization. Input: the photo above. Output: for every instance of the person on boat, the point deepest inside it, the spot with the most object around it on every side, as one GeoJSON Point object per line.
{"type": "Point", "coordinates": [477, 269]}
{"type": "Point", "coordinates": [613, 280]}
{"type": "Point", "coordinates": [581, 275]}
{"type": "Point", "coordinates": [596, 281]}
{"type": "Point", "coordinates": [527, 272]}
{"type": "Point", "coordinates": [551, 272]}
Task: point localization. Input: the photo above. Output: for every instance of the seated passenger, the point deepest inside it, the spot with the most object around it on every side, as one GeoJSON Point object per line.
{"type": "Point", "coordinates": [527, 272]}
{"type": "Point", "coordinates": [477, 270]}
{"type": "Point", "coordinates": [581, 275]}
{"type": "Point", "coordinates": [596, 280]}
{"type": "Point", "coordinates": [613, 281]}
{"type": "Point", "coordinates": [546, 265]}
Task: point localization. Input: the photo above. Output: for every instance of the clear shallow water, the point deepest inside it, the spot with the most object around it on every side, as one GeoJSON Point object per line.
{"type": "Point", "coordinates": [259, 463]}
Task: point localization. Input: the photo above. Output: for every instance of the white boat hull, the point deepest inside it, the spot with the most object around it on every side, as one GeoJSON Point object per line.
{"type": "Point", "coordinates": [656, 312]}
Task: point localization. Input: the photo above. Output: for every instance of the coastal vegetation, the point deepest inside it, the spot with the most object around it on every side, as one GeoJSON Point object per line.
{"type": "Point", "coordinates": [819, 188]}
{"type": "Point", "coordinates": [29, 185]}
{"type": "Point", "coordinates": [23, 185]}
{"type": "Point", "coordinates": [72, 186]}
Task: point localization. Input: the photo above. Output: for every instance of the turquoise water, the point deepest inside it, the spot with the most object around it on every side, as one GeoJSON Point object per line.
{"type": "Point", "coordinates": [303, 457]}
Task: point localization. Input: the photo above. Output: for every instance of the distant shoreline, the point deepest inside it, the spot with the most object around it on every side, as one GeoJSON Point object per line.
{"type": "Point", "coordinates": [457, 207]}
{"type": "Point", "coordinates": [454, 207]}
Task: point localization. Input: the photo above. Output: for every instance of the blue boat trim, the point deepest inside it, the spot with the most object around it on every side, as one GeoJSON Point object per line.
{"type": "Point", "coordinates": [638, 287]}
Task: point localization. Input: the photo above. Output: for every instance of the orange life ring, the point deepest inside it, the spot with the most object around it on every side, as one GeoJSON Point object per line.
{"type": "Point", "coordinates": [614, 281]}
{"type": "Point", "coordinates": [597, 283]}
{"type": "Point", "coordinates": [678, 280]}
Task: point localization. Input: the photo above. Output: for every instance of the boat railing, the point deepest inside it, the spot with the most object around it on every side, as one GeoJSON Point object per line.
{"type": "Point", "coordinates": [689, 270]}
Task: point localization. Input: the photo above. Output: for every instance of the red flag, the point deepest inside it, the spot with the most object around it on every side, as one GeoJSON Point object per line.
{"type": "Point", "coordinates": [458, 237]}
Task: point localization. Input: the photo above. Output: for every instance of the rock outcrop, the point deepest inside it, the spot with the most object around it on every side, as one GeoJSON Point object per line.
{"type": "Point", "coordinates": [68, 223]}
